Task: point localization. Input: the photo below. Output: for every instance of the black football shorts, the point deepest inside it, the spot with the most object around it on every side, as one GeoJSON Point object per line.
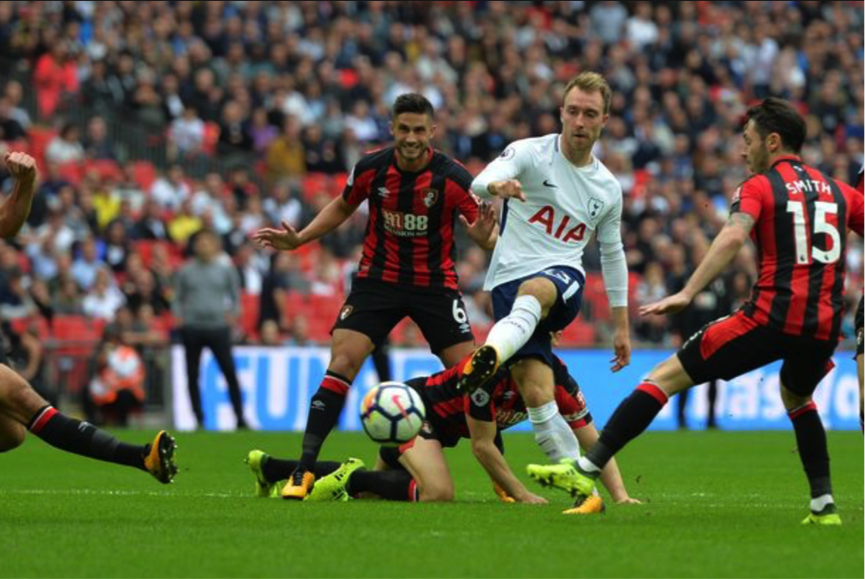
{"type": "Point", "coordinates": [373, 308]}
{"type": "Point", "coordinates": [736, 344]}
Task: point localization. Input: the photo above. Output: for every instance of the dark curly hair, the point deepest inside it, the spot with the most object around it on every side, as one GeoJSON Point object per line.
{"type": "Point", "coordinates": [775, 115]}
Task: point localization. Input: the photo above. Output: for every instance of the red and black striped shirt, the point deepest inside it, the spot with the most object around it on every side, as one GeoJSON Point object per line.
{"type": "Point", "coordinates": [498, 400]}
{"type": "Point", "coordinates": [410, 232]}
{"type": "Point", "coordinates": [801, 221]}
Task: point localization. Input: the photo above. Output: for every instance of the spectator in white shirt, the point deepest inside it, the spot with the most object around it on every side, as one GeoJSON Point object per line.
{"type": "Point", "coordinates": [104, 299]}
{"type": "Point", "coordinates": [281, 206]}
{"type": "Point", "coordinates": [171, 190]}
{"type": "Point", "coordinates": [186, 135]}
{"type": "Point", "coordinates": [65, 147]}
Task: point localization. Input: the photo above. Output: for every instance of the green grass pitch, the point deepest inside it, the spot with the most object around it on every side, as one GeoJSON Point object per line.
{"type": "Point", "coordinates": [717, 504]}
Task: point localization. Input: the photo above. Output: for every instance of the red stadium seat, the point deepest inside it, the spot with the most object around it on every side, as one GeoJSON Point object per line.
{"type": "Point", "coordinates": [143, 173]}
{"type": "Point", "coordinates": [144, 248]}
{"type": "Point", "coordinates": [313, 184]}
{"type": "Point", "coordinates": [295, 302]}
{"type": "Point", "coordinates": [77, 329]}
{"type": "Point", "coordinates": [72, 172]}
{"type": "Point", "coordinates": [39, 139]}
{"type": "Point", "coordinates": [319, 328]}
{"type": "Point", "coordinates": [338, 182]}
{"type": "Point", "coordinates": [307, 255]}
{"type": "Point", "coordinates": [324, 306]}
{"type": "Point", "coordinates": [595, 298]}
{"type": "Point", "coordinates": [163, 324]}
{"type": "Point", "coordinates": [42, 327]}
{"type": "Point", "coordinates": [211, 138]}
{"type": "Point", "coordinates": [75, 341]}
{"type": "Point", "coordinates": [19, 325]}
{"type": "Point", "coordinates": [175, 254]}
{"type": "Point", "coordinates": [641, 177]}
{"type": "Point", "coordinates": [578, 333]}
{"type": "Point", "coordinates": [106, 169]}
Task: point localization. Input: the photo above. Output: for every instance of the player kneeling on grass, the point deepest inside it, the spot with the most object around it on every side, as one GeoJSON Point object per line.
{"type": "Point", "coordinates": [418, 471]}
{"type": "Point", "coordinates": [22, 409]}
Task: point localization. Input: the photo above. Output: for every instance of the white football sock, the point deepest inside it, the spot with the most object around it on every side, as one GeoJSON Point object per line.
{"type": "Point", "coordinates": [512, 332]}
{"type": "Point", "coordinates": [587, 465]}
{"type": "Point", "coordinates": [552, 433]}
{"type": "Point", "coordinates": [821, 502]}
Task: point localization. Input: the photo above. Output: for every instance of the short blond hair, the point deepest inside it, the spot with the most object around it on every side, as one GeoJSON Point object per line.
{"type": "Point", "coordinates": [591, 82]}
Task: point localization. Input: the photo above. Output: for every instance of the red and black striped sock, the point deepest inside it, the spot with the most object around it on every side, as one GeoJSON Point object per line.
{"type": "Point", "coordinates": [631, 418]}
{"type": "Point", "coordinates": [277, 469]}
{"type": "Point", "coordinates": [813, 449]}
{"type": "Point", "coordinates": [324, 410]}
{"type": "Point", "coordinates": [83, 438]}
{"type": "Point", "coordinates": [391, 485]}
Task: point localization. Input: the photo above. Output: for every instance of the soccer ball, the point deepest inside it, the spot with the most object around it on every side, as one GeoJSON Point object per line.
{"type": "Point", "coordinates": [392, 413]}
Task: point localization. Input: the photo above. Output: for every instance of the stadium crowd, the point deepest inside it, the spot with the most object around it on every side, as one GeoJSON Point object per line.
{"type": "Point", "coordinates": [288, 95]}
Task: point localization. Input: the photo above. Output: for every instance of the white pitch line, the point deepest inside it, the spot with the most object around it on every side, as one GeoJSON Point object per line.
{"type": "Point", "coordinates": [117, 493]}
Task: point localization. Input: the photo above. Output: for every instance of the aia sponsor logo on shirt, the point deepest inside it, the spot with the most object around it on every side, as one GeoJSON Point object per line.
{"type": "Point", "coordinates": [564, 229]}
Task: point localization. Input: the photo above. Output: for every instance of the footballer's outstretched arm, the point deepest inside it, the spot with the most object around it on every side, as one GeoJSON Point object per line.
{"type": "Point", "coordinates": [483, 435]}
{"type": "Point", "coordinates": [332, 216]}
{"type": "Point", "coordinates": [16, 208]}
{"type": "Point", "coordinates": [722, 251]}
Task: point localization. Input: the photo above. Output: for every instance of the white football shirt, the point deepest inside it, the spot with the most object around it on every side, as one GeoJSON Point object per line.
{"type": "Point", "coordinates": [565, 205]}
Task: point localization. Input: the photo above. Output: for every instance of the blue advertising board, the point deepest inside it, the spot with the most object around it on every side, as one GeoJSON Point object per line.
{"type": "Point", "coordinates": [277, 385]}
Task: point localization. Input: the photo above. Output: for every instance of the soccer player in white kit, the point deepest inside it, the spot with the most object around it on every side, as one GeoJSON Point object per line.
{"type": "Point", "coordinates": [556, 194]}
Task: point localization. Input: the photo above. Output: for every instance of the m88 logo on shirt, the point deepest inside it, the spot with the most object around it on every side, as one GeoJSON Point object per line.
{"type": "Point", "coordinates": [405, 224]}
